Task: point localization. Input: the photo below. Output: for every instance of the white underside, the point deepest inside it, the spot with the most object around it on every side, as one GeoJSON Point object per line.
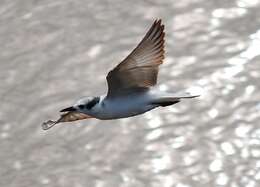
{"type": "Point", "coordinates": [132, 104]}
{"type": "Point", "coordinates": [122, 107]}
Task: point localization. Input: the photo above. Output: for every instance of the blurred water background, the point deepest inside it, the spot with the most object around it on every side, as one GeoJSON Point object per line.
{"type": "Point", "coordinates": [54, 52]}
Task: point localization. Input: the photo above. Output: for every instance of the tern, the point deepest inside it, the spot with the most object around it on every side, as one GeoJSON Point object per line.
{"type": "Point", "coordinates": [131, 85]}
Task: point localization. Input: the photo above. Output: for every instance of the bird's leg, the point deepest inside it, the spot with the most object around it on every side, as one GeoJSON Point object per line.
{"type": "Point", "coordinates": [49, 124]}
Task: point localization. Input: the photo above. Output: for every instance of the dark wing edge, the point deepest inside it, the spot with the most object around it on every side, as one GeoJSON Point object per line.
{"type": "Point", "coordinates": [146, 57]}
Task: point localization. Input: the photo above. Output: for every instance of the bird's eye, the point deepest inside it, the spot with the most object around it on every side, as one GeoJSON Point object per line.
{"type": "Point", "coordinates": [81, 106]}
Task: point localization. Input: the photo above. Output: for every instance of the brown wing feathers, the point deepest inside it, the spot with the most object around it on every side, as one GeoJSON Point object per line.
{"type": "Point", "coordinates": [150, 51]}
{"type": "Point", "coordinates": [140, 68]}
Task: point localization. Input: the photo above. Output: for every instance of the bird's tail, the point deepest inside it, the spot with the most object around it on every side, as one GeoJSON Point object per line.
{"type": "Point", "coordinates": [184, 95]}
{"type": "Point", "coordinates": [174, 98]}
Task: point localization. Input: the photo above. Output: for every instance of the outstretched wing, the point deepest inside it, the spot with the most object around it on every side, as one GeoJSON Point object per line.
{"type": "Point", "coordinates": [66, 117]}
{"type": "Point", "coordinates": [139, 69]}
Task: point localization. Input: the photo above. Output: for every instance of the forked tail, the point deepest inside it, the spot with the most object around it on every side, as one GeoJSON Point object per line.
{"type": "Point", "coordinates": [184, 95]}
{"type": "Point", "coordinates": [172, 99]}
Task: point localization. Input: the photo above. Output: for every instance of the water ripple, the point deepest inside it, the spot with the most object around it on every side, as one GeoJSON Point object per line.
{"type": "Point", "coordinates": [55, 52]}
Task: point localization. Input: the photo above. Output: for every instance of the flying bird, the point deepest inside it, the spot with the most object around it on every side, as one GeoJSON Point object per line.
{"type": "Point", "coordinates": [131, 85]}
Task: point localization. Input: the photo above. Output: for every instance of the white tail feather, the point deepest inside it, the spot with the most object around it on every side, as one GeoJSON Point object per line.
{"type": "Point", "coordinates": [183, 95]}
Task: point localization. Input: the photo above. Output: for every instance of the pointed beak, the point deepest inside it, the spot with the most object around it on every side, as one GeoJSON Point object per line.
{"type": "Point", "coordinates": [69, 109]}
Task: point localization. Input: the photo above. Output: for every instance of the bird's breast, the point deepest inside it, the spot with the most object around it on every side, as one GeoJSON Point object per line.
{"type": "Point", "coordinates": [123, 107]}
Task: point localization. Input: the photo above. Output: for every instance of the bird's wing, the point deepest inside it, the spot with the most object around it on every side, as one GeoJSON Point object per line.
{"type": "Point", "coordinates": [73, 116]}
{"type": "Point", "coordinates": [66, 117]}
{"type": "Point", "coordinates": [140, 68]}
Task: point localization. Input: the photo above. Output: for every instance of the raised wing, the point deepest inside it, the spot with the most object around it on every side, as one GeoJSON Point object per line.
{"type": "Point", "coordinates": [139, 69]}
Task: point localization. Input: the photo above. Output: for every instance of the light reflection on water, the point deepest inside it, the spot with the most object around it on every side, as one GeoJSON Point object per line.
{"type": "Point", "coordinates": [55, 52]}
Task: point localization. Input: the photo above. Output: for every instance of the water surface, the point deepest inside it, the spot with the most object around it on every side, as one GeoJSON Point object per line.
{"type": "Point", "coordinates": [54, 52]}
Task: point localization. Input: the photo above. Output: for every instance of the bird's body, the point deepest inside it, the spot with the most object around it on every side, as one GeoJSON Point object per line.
{"type": "Point", "coordinates": [133, 104]}
{"type": "Point", "coordinates": [121, 107]}
{"type": "Point", "coordinates": [131, 85]}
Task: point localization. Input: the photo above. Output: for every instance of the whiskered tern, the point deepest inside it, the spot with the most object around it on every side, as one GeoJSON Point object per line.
{"type": "Point", "coordinates": [131, 84]}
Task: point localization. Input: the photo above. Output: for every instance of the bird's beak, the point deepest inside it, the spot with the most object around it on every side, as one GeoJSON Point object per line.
{"type": "Point", "coordinates": [69, 109]}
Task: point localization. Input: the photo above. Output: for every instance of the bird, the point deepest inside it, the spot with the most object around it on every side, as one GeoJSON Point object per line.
{"type": "Point", "coordinates": [132, 85]}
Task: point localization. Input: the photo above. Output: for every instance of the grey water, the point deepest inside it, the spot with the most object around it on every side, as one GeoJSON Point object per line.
{"type": "Point", "coordinates": [54, 52]}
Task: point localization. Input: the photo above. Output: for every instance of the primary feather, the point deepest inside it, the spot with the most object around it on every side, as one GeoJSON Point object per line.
{"type": "Point", "coordinates": [140, 68]}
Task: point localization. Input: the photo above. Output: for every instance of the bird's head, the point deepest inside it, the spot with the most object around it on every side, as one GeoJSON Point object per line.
{"type": "Point", "coordinates": [83, 105]}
